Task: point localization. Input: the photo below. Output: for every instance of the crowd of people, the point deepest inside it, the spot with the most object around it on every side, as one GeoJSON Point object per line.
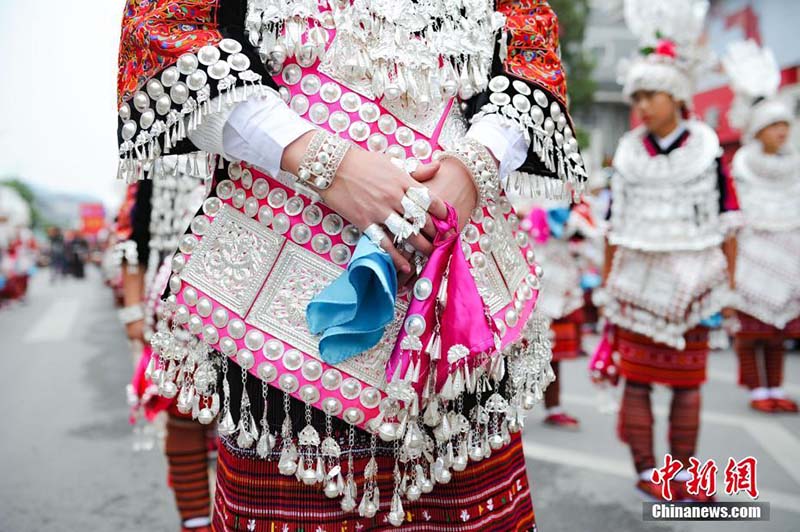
{"type": "Point", "coordinates": [68, 254]}
{"type": "Point", "coordinates": [352, 257]}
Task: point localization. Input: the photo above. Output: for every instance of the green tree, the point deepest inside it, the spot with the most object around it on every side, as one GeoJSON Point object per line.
{"type": "Point", "coordinates": [37, 220]}
{"type": "Point", "coordinates": [578, 63]}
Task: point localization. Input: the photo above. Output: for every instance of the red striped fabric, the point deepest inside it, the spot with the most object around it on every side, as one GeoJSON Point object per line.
{"type": "Point", "coordinates": [552, 395]}
{"type": "Point", "coordinates": [252, 496]}
{"type": "Point", "coordinates": [643, 360]}
{"type": "Point", "coordinates": [759, 347]}
{"type": "Point", "coordinates": [635, 425]}
{"type": "Point", "coordinates": [186, 447]}
{"type": "Point", "coordinates": [567, 337]}
{"type": "Point", "coordinates": [756, 329]}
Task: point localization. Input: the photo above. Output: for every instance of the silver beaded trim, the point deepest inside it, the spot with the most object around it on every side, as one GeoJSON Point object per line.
{"type": "Point", "coordinates": [172, 104]}
{"type": "Point", "coordinates": [547, 128]}
{"type": "Point", "coordinates": [130, 314]}
{"type": "Point", "coordinates": [481, 166]}
{"type": "Point", "coordinates": [322, 159]}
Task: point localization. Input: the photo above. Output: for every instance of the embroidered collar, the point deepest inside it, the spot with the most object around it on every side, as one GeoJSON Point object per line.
{"type": "Point", "coordinates": [672, 140]}
{"type": "Point", "coordinates": [697, 149]}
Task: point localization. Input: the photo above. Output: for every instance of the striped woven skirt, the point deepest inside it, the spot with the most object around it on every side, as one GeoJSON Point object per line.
{"type": "Point", "coordinates": [252, 496]}
{"type": "Point", "coordinates": [646, 361]}
{"type": "Point", "coordinates": [567, 336]}
{"type": "Point", "coordinates": [752, 328]}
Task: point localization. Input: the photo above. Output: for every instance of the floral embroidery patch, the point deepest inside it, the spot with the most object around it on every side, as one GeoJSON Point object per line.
{"type": "Point", "coordinates": [532, 28]}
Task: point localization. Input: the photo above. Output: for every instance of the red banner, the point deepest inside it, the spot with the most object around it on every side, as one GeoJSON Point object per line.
{"type": "Point", "coordinates": [93, 218]}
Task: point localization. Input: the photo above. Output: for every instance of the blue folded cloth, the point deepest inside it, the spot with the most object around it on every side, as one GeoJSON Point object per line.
{"type": "Point", "coordinates": [590, 280]}
{"type": "Point", "coordinates": [712, 322]}
{"type": "Point", "coordinates": [353, 311]}
{"type": "Point", "coordinates": [557, 220]}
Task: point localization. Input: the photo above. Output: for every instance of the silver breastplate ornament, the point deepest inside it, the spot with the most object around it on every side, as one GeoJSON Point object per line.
{"type": "Point", "coordinates": [670, 201]}
{"type": "Point", "coordinates": [767, 265]}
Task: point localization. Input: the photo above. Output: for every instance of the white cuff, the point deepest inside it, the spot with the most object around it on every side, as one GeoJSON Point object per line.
{"type": "Point", "coordinates": [258, 130]}
{"type": "Point", "coordinates": [208, 135]}
{"type": "Point", "coordinates": [507, 144]}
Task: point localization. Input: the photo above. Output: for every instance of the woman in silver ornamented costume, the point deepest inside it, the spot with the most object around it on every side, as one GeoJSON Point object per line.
{"type": "Point", "coordinates": [358, 292]}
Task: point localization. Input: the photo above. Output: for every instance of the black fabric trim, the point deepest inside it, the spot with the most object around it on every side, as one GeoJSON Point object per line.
{"type": "Point", "coordinates": [722, 185]}
{"type": "Point", "coordinates": [533, 164]}
{"type": "Point", "coordinates": [678, 142]}
{"type": "Point", "coordinates": [140, 219]}
{"type": "Point", "coordinates": [230, 17]}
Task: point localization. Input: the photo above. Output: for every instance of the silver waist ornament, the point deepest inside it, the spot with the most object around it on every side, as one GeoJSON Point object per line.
{"type": "Point", "coordinates": [240, 285]}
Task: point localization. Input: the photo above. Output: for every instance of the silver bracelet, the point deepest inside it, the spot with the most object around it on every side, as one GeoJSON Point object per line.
{"type": "Point", "coordinates": [322, 159]}
{"type": "Point", "coordinates": [131, 314]}
{"type": "Point", "coordinates": [480, 164]}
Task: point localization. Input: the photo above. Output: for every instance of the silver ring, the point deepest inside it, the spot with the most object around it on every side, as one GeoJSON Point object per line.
{"type": "Point", "coordinates": [414, 213]}
{"type": "Point", "coordinates": [399, 227]}
{"type": "Point", "coordinates": [419, 263]}
{"type": "Point", "coordinates": [420, 195]}
{"type": "Point", "coordinates": [376, 234]}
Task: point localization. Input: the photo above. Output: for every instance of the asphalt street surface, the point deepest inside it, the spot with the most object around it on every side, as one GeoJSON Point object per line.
{"type": "Point", "coordinates": [67, 461]}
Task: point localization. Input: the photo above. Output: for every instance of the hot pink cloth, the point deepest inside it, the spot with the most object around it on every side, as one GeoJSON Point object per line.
{"type": "Point", "coordinates": [602, 366]}
{"type": "Point", "coordinates": [537, 225]}
{"type": "Point", "coordinates": [462, 320]}
{"type": "Point", "coordinates": [150, 402]}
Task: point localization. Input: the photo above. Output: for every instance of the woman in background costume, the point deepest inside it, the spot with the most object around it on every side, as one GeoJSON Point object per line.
{"type": "Point", "coordinates": [666, 270]}
{"type": "Point", "coordinates": [556, 228]}
{"type": "Point", "coordinates": [360, 340]}
{"type": "Point", "coordinates": [152, 217]}
{"type": "Point", "coordinates": [766, 170]}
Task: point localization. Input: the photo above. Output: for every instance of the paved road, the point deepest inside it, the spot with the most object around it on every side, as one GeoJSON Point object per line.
{"type": "Point", "coordinates": [583, 481]}
{"type": "Point", "coordinates": [65, 450]}
{"type": "Point", "coordinates": [66, 462]}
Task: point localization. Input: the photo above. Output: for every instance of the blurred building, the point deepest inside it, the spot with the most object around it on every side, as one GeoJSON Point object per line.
{"type": "Point", "coordinates": [608, 40]}
{"type": "Point", "coordinates": [771, 23]}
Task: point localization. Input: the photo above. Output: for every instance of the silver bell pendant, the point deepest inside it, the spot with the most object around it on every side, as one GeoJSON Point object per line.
{"type": "Point", "coordinates": [331, 489]}
{"type": "Point", "coordinates": [460, 463]}
{"type": "Point", "coordinates": [528, 401]}
{"type": "Point", "coordinates": [206, 416]}
{"type": "Point", "coordinates": [368, 510]}
{"type": "Point", "coordinates": [476, 453]}
{"type": "Point", "coordinates": [287, 466]}
{"type": "Point", "coordinates": [348, 503]}
{"type": "Point", "coordinates": [413, 493]}
{"type": "Point", "coordinates": [397, 515]}
{"type": "Point", "coordinates": [396, 519]}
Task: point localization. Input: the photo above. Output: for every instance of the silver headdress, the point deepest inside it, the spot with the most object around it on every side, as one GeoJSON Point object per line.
{"type": "Point", "coordinates": [755, 78]}
{"type": "Point", "coordinates": [668, 33]}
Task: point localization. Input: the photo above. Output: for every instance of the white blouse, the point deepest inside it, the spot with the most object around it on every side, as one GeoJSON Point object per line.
{"type": "Point", "coordinates": [259, 129]}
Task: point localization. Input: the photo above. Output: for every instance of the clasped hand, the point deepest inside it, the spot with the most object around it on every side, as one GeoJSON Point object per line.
{"type": "Point", "coordinates": [369, 187]}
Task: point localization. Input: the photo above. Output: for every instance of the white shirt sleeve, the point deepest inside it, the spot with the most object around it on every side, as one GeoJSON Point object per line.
{"type": "Point", "coordinates": [256, 131]}
{"type": "Point", "coordinates": [507, 143]}
{"type": "Point", "coordinates": [259, 129]}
